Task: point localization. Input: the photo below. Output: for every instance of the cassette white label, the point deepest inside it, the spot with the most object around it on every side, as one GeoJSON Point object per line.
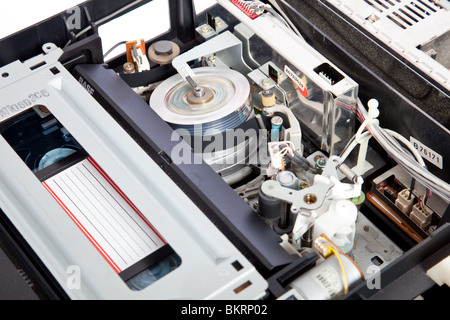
{"type": "Point", "coordinates": [104, 214]}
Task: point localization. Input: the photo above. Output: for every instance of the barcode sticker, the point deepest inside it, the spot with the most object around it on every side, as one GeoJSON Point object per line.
{"type": "Point", "coordinates": [105, 215]}
{"type": "Point", "coordinates": [427, 153]}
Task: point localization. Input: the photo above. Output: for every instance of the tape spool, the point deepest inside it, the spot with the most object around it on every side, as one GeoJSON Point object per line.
{"type": "Point", "coordinates": [54, 156]}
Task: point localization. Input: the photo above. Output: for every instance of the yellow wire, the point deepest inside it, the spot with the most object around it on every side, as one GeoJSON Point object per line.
{"type": "Point", "coordinates": [423, 206]}
{"type": "Point", "coordinates": [342, 267]}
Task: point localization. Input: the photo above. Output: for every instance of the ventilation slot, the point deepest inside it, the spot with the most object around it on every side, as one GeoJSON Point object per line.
{"type": "Point", "coordinates": [396, 22]}
{"type": "Point", "coordinates": [404, 13]}
{"type": "Point", "coordinates": [414, 11]}
{"type": "Point", "coordinates": [408, 15]}
{"type": "Point", "coordinates": [402, 18]}
{"type": "Point", "coordinates": [429, 5]}
{"type": "Point", "coordinates": [382, 4]}
{"type": "Point", "coordinates": [373, 5]}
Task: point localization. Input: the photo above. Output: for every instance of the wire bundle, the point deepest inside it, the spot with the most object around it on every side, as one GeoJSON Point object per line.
{"type": "Point", "coordinates": [390, 141]}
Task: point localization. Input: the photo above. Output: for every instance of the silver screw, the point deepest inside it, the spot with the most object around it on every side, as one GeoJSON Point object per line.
{"type": "Point", "coordinates": [266, 82]}
{"type": "Point", "coordinates": [205, 29]}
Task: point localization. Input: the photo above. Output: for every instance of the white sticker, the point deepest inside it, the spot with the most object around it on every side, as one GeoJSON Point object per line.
{"type": "Point", "coordinates": [300, 83]}
{"type": "Point", "coordinates": [427, 153]}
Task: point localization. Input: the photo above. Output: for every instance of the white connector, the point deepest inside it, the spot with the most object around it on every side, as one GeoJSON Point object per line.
{"type": "Point", "coordinates": [276, 156]}
{"type": "Point", "coordinates": [420, 217]}
{"type": "Point", "coordinates": [403, 202]}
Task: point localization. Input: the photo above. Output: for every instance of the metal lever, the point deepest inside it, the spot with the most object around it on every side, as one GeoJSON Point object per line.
{"type": "Point", "coordinates": [226, 46]}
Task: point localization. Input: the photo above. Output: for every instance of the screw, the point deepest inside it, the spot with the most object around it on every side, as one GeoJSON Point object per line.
{"type": "Point", "coordinates": [366, 228]}
{"type": "Point", "coordinates": [266, 82]}
{"type": "Point", "coordinates": [129, 67]}
{"type": "Point", "coordinates": [212, 59]}
{"type": "Point", "coordinates": [320, 164]}
{"type": "Point", "coordinates": [205, 29]}
{"type": "Point", "coordinates": [317, 157]}
{"type": "Point", "coordinates": [218, 22]}
{"type": "Point", "coordinates": [304, 185]}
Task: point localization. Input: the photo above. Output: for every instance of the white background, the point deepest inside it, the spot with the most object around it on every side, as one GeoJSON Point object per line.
{"type": "Point", "coordinates": [146, 22]}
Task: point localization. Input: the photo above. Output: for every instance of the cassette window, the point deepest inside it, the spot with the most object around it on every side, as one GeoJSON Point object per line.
{"type": "Point", "coordinates": [100, 209]}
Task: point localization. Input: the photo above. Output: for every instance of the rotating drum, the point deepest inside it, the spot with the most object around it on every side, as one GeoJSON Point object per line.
{"type": "Point", "coordinates": [225, 105]}
{"type": "Point", "coordinates": [225, 109]}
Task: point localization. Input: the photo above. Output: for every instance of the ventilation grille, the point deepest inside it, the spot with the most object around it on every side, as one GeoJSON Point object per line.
{"type": "Point", "coordinates": [405, 13]}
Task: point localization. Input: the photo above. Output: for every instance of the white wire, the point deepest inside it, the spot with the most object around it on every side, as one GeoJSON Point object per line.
{"type": "Point", "coordinates": [275, 4]}
{"type": "Point", "coordinates": [414, 168]}
{"type": "Point", "coordinates": [406, 142]}
{"type": "Point", "coordinates": [285, 150]}
{"type": "Point", "coordinates": [359, 135]}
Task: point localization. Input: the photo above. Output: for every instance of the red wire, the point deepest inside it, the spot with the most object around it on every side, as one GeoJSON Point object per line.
{"type": "Point", "coordinates": [351, 108]}
{"type": "Point", "coordinates": [357, 112]}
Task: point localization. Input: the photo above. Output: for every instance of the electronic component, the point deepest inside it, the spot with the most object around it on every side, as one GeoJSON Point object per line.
{"type": "Point", "coordinates": [313, 98]}
{"type": "Point", "coordinates": [268, 98]}
{"type": "Point", "coordinates": [405, 201]}
{"type": "Point", "coordinates": [330, 279]}
{"type": "Point", "coordinates": [247, 8]}
{"type": "Point", "coordinates": [215, 160]}
{"type": "Point", "coordinates": [404, 205]}
{"type": "Point", "coordinates": [136, 54]}
{"type": "Point", "coordinates": [277, 123]}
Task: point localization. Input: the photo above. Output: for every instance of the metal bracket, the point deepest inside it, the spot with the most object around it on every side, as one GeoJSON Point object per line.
{"type": "Point", "coordinates": [227, 48]}
{"type": "Point", "coordinates": [310, 198]}
{"type": "Point", "coordinates": [313, 197]}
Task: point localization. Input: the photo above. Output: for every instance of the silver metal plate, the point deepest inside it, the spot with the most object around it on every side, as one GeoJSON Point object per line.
{"type": "Point", "coordinates": [206, 271]}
